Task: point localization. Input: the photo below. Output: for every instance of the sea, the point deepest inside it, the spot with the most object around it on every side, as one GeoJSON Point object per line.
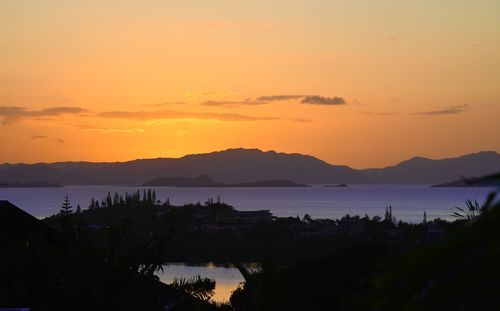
{"type": "Point", "coordinates": [409, 202]}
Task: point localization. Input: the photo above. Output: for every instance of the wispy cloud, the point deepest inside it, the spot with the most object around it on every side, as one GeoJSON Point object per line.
{"type": "Point", "coordinates": [279, 97]}
{"type": "Point", "coordinates": [205, 95]}
{"type": "Point", "coordinates": [446, 111]}
{"type": "Point", "coordinates": [112, 130]}
{"type": "Point", "coordinates": [43, 137]}
{"type": "Point", "coordinates": [321, 100]}
{"type": "Point", "coordinates": [247, 102]}
{"type": "Point", "coordinates": [482, 44]}
{"type": "Point", "coordinates": [396, 100]}
{"type": "Point", "coordinates": [12, 114]}
{"type": "Point", "coordinates": [267, 99]}
{"type": "Point", "coordinates": [165, 104]}
{"type": "Point", "coordinates": [382, 114]}
{"type": "Point", "coordinates": [228, 24]}
{"type": "Point", "coordinates": [39, 137]}
{"type": "Point", "coordinates": [178, 115]}
{"type": "Point", "coordinates": [106, 130]}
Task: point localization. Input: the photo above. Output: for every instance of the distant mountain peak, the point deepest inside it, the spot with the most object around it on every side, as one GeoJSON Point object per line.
{"type": "Point", "coordinates": [413, 160]}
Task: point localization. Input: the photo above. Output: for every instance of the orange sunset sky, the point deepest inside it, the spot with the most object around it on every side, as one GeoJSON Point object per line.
{"type": "Point", "coordinates": [362, 83]}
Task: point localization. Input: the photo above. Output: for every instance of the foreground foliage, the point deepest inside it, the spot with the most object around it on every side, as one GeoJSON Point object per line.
{"type": "Point", "coordinates": [458, 273]}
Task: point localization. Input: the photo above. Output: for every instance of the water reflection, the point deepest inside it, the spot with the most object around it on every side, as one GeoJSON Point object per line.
{"type": "Point", "coordinates": [227, 277]}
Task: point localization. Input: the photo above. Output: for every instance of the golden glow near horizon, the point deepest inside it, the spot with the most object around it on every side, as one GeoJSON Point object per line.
{"type": "Point", "coordinates": [362, 83]}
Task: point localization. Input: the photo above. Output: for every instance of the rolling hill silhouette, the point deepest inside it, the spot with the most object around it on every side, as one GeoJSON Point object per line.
{"type": "Point", "coordinates": [250, 165]}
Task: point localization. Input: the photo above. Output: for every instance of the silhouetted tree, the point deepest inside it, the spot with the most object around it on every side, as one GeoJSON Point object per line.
{"type": "Point", "coordinates": [386, 215]}
{"type": "Point", "coordinates": [66, 221]}
{"type": "Point", "coordinates": [150, 197]}
{"type": "Point", "coordinates": [109, 201]}
{"type": "Point", "coordinates": [307, 219]}
{"type": "Point", "coordinates": [388, 218]}
{"type": "Point", "coordinates": [66, 208]}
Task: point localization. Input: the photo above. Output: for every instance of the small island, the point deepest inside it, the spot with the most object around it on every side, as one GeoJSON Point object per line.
{"type": "Point", "coordinates": [456, 184]}
{"type": "Point", "coordinates": [205, 181]}
{"type": "Point", "coordinates": [336, 186]}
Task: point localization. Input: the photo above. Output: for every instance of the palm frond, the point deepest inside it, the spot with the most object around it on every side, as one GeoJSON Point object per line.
{"type": "Point", "coordinates": [198, 287]}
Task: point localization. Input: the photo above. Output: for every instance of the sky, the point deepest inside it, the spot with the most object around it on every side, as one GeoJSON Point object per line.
{"type": "Point", "coordinates": [360, 83]}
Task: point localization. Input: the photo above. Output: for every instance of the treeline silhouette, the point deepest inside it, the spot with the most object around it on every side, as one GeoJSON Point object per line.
{"type": "Point", "coordinates": [213, 231]}
{"type": "Point", "coordinates": [135, 199]}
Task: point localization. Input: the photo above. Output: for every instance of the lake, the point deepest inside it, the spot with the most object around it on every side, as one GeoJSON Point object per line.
{"type": "Point", "coordinates": [408, 201]}
{"type": "Point", "coordinates": [227, 278]}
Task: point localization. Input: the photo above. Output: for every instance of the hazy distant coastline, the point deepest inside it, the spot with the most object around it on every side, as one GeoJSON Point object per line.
{"type": "Point", "coordinates": [487, 181]}
{"type": "Point", "coordinates": [29, 185]}
{"type": "Point", "coordinates": [205, 181]}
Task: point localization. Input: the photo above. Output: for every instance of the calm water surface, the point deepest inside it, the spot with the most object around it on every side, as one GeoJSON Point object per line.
{"type": "Point", "coordinates": [227, 278]}
{"type": "Point", "coordinates": [408, 201]}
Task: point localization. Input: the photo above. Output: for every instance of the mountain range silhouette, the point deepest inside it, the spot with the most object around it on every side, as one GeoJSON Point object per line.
{"type": "Point", "coordinates": [250, 165]}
